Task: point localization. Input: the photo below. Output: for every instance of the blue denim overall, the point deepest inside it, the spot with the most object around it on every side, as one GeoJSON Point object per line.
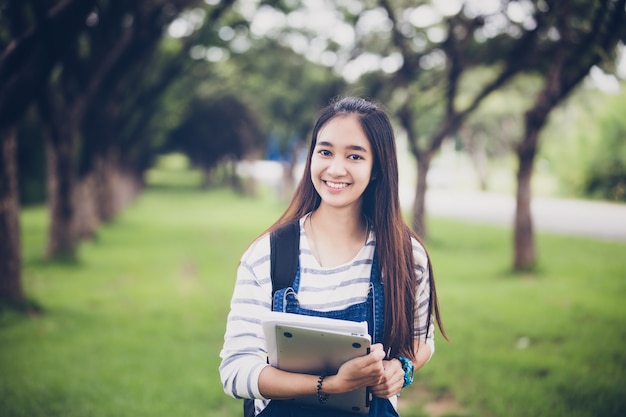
{"type": "Point", "coordinates": [371, 311]}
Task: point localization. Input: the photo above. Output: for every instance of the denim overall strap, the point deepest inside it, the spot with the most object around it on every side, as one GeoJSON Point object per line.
{"type": "Point", "coordinates": [286, 299]}
{"type": "Point", "coordinates": [376, 302]}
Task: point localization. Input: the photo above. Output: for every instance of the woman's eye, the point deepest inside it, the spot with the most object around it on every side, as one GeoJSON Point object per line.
{"type": "Point", "coordinates": [355, 157]}
{"type": "Point", "coordinates": [324, 152]}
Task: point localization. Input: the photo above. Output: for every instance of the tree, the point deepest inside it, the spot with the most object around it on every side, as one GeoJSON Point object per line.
{"type": "Point", "coordinates": [216, 129]}
{"type": "Point", "coordinates": [10, 268]}
{"type": "Point", "coordinates": [559, 40]}
{"type": "Point", "coordinates": [96, 46]}
{"type": "Point", "coordinates": [122, 35]}
{"type": "Point", "coordinates": [135, 109]}
{"type": "Point", "coordinates": [587, 34]}
{"type": "Point", "coordinates": [429, 82]}
{"type": "Point", "coordinates": [31, 50]}
{"type": "Point", "coordinates": [492, 131]}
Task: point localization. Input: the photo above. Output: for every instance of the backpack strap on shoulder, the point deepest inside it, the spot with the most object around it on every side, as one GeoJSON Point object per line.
{"type": "Point", "coordinates": [284, 253]}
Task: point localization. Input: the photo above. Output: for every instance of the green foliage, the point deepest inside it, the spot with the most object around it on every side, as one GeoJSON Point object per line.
{"type": "Point", "coordinates": [284, 88]}
{"type": "Point", "coordinates": [586, 146]}
{"type": "Point", "coordinates": [135, 328]}
{"type": "Point", "coordinates": [498, 124]}
{"type": "Point", "coordinates": [216, 128]}
{"type": "Point", "coordinates": [606, 169]}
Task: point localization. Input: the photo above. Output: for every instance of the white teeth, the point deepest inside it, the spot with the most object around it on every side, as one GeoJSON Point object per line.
{"type": "Point", "coordinates": [336, 185]}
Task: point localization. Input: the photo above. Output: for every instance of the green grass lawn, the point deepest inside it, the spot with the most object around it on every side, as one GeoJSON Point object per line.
{"type": "Point", "coordinates": [135, 328]}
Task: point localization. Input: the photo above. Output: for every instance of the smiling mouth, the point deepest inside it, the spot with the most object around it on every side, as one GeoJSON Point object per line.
{"type": "Point", "coordinates": [336, 185]}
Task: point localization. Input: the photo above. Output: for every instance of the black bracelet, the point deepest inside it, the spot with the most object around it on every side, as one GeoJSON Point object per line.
{"type": "Point", "coordinates": [322, 398]}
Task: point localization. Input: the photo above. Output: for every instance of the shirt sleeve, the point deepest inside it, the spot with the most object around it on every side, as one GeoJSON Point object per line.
{"type": "Point", "coordinates": [244, 353]}
{"type": "Point", "coordinates": [424, 325]}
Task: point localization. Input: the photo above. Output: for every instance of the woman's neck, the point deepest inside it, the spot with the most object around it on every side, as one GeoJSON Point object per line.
{"type": "Point", "coordinates": [339, 223]}
{"type": "Point", "coordinates": [335, 237]}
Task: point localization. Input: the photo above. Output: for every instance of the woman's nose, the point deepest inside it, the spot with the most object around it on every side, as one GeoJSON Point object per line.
{"type": "Point", "coordinates": [337, 167]}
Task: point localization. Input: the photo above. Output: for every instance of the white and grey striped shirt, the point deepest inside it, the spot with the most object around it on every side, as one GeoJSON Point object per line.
{"type": "Point", "coordinates": [244, 353]}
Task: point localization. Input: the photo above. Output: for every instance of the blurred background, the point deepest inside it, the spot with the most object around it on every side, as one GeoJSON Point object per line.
{"type": "Point", "coordinates": [146, 143]}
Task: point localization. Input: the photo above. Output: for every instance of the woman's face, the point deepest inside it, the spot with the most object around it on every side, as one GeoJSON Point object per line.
{"type": "Point", "coordinates": [342, 161]}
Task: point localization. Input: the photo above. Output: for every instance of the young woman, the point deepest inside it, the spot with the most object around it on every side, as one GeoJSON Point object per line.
{"type": "Point", "coordinates": [357, 255]}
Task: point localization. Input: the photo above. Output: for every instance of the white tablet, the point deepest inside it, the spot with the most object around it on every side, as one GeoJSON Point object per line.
{"type": "Point", "coordinates": [317, 346]}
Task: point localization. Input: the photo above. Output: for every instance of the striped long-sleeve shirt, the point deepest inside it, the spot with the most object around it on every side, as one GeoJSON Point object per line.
{"type": "Point", "coordinates": [244, 353]}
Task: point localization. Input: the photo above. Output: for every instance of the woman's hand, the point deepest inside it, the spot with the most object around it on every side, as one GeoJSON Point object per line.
{"type": "Point", "coordinates": [391, 382]}
{"type": "Point", "coordinates": [359, 372]}
{"type": "Point", "coordinates": [393, 377]}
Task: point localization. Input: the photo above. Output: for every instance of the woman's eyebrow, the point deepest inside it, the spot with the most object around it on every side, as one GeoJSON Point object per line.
{"type": "Point", "coordinates": [351, 147]}
{"type": "Point", "coordinates": [357, 148]}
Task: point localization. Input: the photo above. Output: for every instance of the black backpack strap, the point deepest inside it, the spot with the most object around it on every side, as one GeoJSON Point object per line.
{"type": "Point", "coordinates": [248, 407]}
{"type": "Point", "coordinates": [284, 253]}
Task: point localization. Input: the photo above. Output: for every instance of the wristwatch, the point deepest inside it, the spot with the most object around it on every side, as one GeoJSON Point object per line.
{"type": "Point", "coordinates": [409, 368]}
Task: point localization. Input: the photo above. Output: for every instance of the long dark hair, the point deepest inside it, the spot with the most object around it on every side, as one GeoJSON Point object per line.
{"type": "Point", "coordinates": [381, 205]}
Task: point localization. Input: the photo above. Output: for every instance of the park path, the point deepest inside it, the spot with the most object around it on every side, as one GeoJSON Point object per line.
{"type": "Point", "coordinates": [555, 215]}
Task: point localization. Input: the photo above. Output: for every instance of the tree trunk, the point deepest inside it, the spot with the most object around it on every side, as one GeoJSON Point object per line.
{"type": "Point", "coordinates": [62, 237]}
{"type": "Point", "coordinates": [113, 188]}
{"type": "Point", "coordinates": [524, 240]}
{"type": "Point", "coordinates": [534, 121]}
{"type": "Point", "coordinates": [419, 204]}
{"type": "Point", "coordinates": [286, 185]}
{"type": "Point", "coordinates": [104, 171]}
{"type": "Point", "coordinates": [475, 147]}
{"type": "Point", "coordinates": [11, 291]}
{"type": "Point", "coordinates": [86, 219]}
{"type": "Point", "coordinates": [126, 187]}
